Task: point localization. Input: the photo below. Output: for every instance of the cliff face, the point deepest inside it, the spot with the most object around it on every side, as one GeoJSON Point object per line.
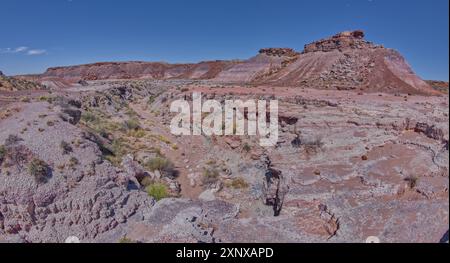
{"type": "Point", "coordinates": [345, 61]}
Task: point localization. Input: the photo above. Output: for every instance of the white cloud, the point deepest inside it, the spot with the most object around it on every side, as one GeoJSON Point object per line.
{"type": "Point", "coordinates": [35, 52]}
{"type": "Point", "coordinates": [13, 50]}
{"type": "Point", "coordinates": [23, 50]}
{"type": "Point", "coordinates": [20, 49]}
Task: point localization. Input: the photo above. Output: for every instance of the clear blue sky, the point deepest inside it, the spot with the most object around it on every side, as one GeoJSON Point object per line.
{"type": "Point", "coordinates": [40, 34]}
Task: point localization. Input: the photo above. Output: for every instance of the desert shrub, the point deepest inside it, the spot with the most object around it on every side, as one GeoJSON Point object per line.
{"type": "Point", "coordinates": [89, 117]}
{"type": "Point", "coordinates": [152, 99]}
{"type": "Point", "coordinates": [246, 147]}
{"type": "Point", "coordinates": [73, 162]}
{"type": "Point", "coordinates": [114, 153]}
{"type": "Point", "coordinates": [139, 133]}
{"type": "Point", "coordinates": [412, 181]}
{"type": "Point", "coordinates": [146, 181]}
{"type": "Point", "coordinates": [297, 142]}
{"type": "Point", "coordinates": [210, 176]}
{"type": "Point", "coordinates": [99, 122]}
{"type": "Point", "coordinates": [132, 124]}
{"type": "Point", "coordinates": [157, 191]}
{"type": "Point", "coordinates": [211, 162]}
{"type": "Point", "coordinates": [66, 148]}
{"type": "Point", "coordinates": [25, 99]}
{"type": "Point", "coordinates": [39, 170]}
{"type": "Point", "coordinates": [161, 164]}
{"type": "Point", "coordinates": [164, 139]}
{"type": "Point", "coordinates": [131, 113]}
{"type": "Point", "coordinates": [2, 153]}
{"type": "Point", "coordinates": [46, 98]}
{"type": "Point", "coordinates": [239, 183]}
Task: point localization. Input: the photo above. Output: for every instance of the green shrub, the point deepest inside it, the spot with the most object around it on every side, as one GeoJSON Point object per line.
{"type": "Point", "coordinates": [157, 191]}
{"type": "Point", "coordinates": [132, 124]}
{"type": "Point", "coordinates": [161, 164]}
{"type": "Point", "coordinates": [39, 169]}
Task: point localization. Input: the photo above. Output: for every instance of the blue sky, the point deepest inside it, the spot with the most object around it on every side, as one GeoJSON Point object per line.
{"type": "Point", "coordinates": [36, 35]}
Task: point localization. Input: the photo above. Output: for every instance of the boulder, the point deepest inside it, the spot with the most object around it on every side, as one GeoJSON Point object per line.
{"type": "Point", "coordinates": [132, 168]}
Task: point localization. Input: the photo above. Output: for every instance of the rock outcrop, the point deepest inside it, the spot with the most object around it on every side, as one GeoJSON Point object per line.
{"type": "Point", "coordinates": [280, 52]}
{"type": "Point", "coordinates": [341, 41]}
